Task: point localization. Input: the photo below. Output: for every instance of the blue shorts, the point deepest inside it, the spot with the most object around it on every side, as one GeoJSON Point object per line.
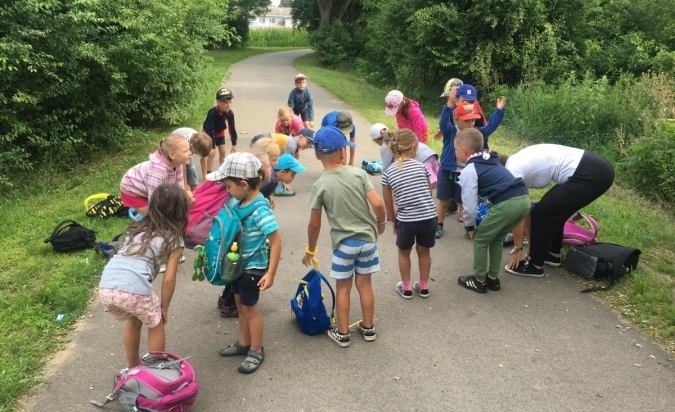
{"type": "Point", "coordinates": [247, 288]}
{"type": "Point", "coordinates": [354, 256]}
{"type": "Point", "coordinates": [422, 231]}
{"type": "Point", "coordinates": [304, 115]}
{"type": "Point", "coordinates": [447, 187]}
{"type": "Point", "coordinates": [191, 173]}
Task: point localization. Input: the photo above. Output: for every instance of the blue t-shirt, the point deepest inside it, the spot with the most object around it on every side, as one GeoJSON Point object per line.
{"type": "Point", "coordinates": [256, 227]}
{"type": "Point", "coordinates": [331, 120]}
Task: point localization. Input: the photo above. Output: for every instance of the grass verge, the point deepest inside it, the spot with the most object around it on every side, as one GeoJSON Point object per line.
{"type": "Point", "coordinates": [646, 298]}
{"type": "Point", "coordinates": [35, 283]}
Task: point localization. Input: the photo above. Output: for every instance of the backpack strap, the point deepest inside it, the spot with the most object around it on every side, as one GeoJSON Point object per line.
{"type": "Point", "coordinates": [591, 222]}
{"type": "Point", "coordinates": [63, 225]}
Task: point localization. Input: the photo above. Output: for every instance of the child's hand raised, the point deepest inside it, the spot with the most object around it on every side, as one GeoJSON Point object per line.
{"type": "Point", "coordinates": [501, 102]}
{"type": "Point", "coordinates": [438, 135]}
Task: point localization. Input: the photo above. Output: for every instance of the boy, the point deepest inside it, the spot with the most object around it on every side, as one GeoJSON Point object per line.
{"type": "Point", "coordinates": [242, 174]}
{"type": "Point", "coordinates": [344, 122]}
{"type": "Point", "coordinates": [301, 102]}
{"type": "Point", "coordinates": [200, 143]}
{"type": "Point", "coordinates": [484, 176]}
{"type": "Point", "coordinates": [217, 120]}
{"type": "Point", "coordinates": [345, 193]}
{"type": "Point", "coordinates": [283, 173]}
{"type": "Point", "coordinates": [464, 116]}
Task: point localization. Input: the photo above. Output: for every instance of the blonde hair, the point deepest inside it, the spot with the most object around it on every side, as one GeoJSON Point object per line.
{"type": "Point", "coordinates": [269, 146]}
{"type": "Point", "coordinates": [471, 139]}
{"type": "Point", "coordinates": [169, 144]}
{"type": "Point", "coordinates": [285, 112]}
{"type": "Point", "coordinates": [201, 143]}
{"type": "Point", "coordinates": [402, 141]}
{"type": "Point", "coordinates": [261, 154]}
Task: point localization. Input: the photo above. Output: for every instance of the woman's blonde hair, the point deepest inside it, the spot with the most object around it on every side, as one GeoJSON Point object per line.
{"type": "Point", "coordinates": [269, 146]}
{"type": "Point", "coordinates": [285, 112]}
{"type": "Point", "coordinates": [169, 144]}
{"type": "Point", "coordinates": [402, 141]}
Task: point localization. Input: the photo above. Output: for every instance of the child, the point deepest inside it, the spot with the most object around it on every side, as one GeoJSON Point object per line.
{"type": "Point", "coordinates": [345, 193]}
{"type": "Point", "coordinates": [125, 288]}
{"type": "Point", "coordinates": [301, 102]}
{"type": "Point", "coordinates": [466, 93]}
{"type": "Point", "coordinates": [284, 174]}
{"type": "Point", "coordinates": [217, 121]}
{"type": "Point", "coordinates": [484, 176]}
{"type": "Point", "coordinates": [242, 174]}
{"type": "Point", "coordinates": [464, 116]}
{"type": "Point", "coordinates": [165, 165]}
{"type": "Point", "coordinates": [425, 154]}
{"type": "Point", "coordinates": [200, 143]}
{"type": "Point", "coordinates": [288, 123]}
{"type": "Point", "coordinates": [408, 114]}
{"type": "Point", "coordinates": [344, 122]}
{"type": "Point", "coordinates": [407, 182]}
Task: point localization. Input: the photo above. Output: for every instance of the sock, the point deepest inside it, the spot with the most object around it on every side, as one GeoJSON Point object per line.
{"type": "Point", "coordinates": [406, 286]}
{"type": "Point", "coordinates": [423, 285]}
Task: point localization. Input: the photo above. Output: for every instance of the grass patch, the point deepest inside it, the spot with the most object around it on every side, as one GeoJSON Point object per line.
{"type": "Point", "coordinates": [647, 297]}
{"type": "Point", "coordinates": [37, 284]}
{"type": "Point", "coordinates": [286, 37]}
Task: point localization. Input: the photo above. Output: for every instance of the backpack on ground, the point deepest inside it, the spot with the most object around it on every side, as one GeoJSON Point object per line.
{"type": "Point", "coordinates": [308, 307]}
{"type": "Point", "coordinates": [601, 261]}
{"type": "Point", "coordinates": [108, 249]}
{"type": "Point", "coordinates": [576, 235]}
{"type": "Point", "coordinates": [163, 382]}
{"type": "Point", "coordinates": [70, 236]}
{"type": "Point", "coordinates": [209, 199]}
{"type": "Point", "coordinates": [106, 206]}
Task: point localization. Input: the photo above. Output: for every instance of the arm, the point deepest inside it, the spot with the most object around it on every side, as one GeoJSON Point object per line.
{"type": "Point", "coordinates": [495, 120]}
{"type": "Point", "coordinates": [419, 125]}
{"type": "Point", "coordinates": [389, 205]}
{"type": "Point", "coordinates": [444, 122]}
{"type": "Point", "coordinates": [233, 130]}
{"type": "Point", "coordinates": [267, 280]}
{"type": "Point", "coordinates": [468, 180]}
{"type": "Point", "coordinates": [310, 106]}
{"type": "Point", "coordinates": [169, 282]}
{"type": "Point", "coordinates": [291, 99]}
{"type": "Point", "coordinates": [518, 234]}
{"type": "Point", "coordinates": [352, 152]}
{"type": "Point", "coordinates": [378, 207]}
{"type": "Point", "coordinates": [313, 230]}
{"type": "Point", "coordinates": [278, 128]}
{"type": "Point", "coordinates": [210, 123]}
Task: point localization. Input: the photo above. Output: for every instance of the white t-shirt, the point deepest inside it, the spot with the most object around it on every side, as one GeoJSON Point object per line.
{"type": "Point", "coordinates": [540, 164]}
{"type": "Point", "coordinates": [186, 132]}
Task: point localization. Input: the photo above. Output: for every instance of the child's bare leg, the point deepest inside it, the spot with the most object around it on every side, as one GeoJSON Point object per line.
{"type": "Point", "coordinates": [222, 152]}
{"type": "Point", "coordinates": [132, 341]}
{"type": "Point", "coordinates": [244, 331]}
{"type": "Point", "coordinates": [209, 162]}
{"type": "Point", "coordinates": [343, 291]}
{"type": "Point", "coordinates": [254, 322]}
{"type": "Point", "coordinates": [460, 211]}
{"type": "Point", "coordinates": [424, 257]}
{"type": "Point", "coordinates": [404, 264]}
{"type": "Point", "coordinates": [367, 298]}
{"type": "Point", "coordinates": [157, 338]}
{"type": "Point", "coordinates": [442, 208]}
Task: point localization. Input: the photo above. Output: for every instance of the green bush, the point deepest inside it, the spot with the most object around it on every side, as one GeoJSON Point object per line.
{"type": "Point", "coordinates": [283, 37]}
{"type": "Point", "coordinates": [332, 44]}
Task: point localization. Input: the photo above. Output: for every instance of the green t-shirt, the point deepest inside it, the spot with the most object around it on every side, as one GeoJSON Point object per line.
{"type": "Point", "coordinates": [342, 193]}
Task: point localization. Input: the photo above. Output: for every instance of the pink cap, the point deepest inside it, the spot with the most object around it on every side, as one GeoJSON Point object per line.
{"type": "Point", "coordinates": [393, 101]}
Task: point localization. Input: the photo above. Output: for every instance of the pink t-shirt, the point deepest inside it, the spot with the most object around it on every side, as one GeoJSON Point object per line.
{"type": "Point", "coordinates": [415, 122]}
{"type": "Point", "coordinates": [293, 128]}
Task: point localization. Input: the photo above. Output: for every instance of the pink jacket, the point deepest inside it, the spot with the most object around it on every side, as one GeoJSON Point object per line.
{"type": "Point", "coordinates": [293, 128]}
{"type": "Point", "coordinates": [416, 122]}
{"type": "Point", "coordinates": [142, 179]}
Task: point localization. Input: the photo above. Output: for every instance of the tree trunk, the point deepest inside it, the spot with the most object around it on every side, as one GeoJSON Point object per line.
{"type": "Point", "coordinates": [326, 11]}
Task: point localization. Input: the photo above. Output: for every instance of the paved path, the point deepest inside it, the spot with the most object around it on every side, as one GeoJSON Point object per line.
{"type": "Point", "coordinates": [537, 345]}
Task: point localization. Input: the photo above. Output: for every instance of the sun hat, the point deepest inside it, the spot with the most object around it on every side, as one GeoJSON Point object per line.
{"type": "Point", "coordinates": [330, 139]}
{"type": "Point", "coordinates": [224, 94]}
{"type": "Point", "coordinates": [467, 111]}
{"type": "Point", "coordinates": [287, 161]}
{"type": "Point", "coordinates": [393, 101]}
{"type": "Point", "coordinates": [376, 129]}
{"type": "Point", "coordinates": [308, 133]}
{"type": "Point", "coordinates": [241, 165]}
{"type": "Point", "coordinates": [344, 122]}
{"type": "Point", "coordinates": [449, 85]}
{"type": "Point", "coordinates": [467, 92]}
{"type": "Point", "coordinates": [299, 76]}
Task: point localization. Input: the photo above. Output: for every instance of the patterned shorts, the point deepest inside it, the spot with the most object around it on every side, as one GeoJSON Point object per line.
{"type": "Point", "coordinates": [354, 256]}
{"type": "Point", "coordinates": [124, 305]}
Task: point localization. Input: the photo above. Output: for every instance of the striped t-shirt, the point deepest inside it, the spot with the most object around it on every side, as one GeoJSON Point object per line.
{"type": "Point", "coordinates": [256, 227]}
{"type": "Point", "coordinates": [410, 186]}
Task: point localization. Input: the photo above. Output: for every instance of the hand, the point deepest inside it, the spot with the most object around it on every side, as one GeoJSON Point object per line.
{"type": "Point", "coordinates": [393, 227]}
{"type": "Point", "coordinates": [233, 149]}
{"type": "Point", "coordinates": [311, 125]}
{"type": "Point", "coordinates": [307, 259]}
{"type": "Point", "coordinates": [380, 229]}
{"type": "Point", "coordinates": [515, 259]}
{"type": "Point", "coordinates": [501, 102]}
{"type": "Point", "coordinates": [287, 187]}
{"type": "Point", "coordinates": [273, 203]}
{"type": "Point", "coordinates": [266, 282]}
{"type": "Point", "coordinates": [212, 153]}
{"type": "Point", "coordinates": [165, 316]}
{"type": "Point", "coordinates": [438, 135]}
{"type": "Point", "coordinates": [191, 196]}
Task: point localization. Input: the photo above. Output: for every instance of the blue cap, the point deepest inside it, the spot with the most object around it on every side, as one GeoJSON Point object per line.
{"type": "Point", "coordinates": [330, 139]}
{"type": "Point", "coordinates": [287, 161]}
{"type": "Point", "coordinates": [467, 92]}
{"type": "Point", "coordinates": [308, 133]}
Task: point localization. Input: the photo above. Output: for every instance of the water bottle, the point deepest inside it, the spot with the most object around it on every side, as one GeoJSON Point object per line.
{"type": "Point", "coordinates": [231, 262]}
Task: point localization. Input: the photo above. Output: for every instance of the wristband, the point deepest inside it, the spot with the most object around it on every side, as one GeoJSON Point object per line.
{"type": "Point", "coordinates": [518, 248]}
{"type": "Point", "coordinates": [381, 223]}
{"type": "Point", "coordinates": [316, 249]}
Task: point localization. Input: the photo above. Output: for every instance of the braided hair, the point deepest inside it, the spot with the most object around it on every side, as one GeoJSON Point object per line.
{"type": "Point", "coordinates": [402, 141]}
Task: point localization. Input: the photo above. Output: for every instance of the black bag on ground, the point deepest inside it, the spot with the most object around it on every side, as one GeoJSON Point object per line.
{"type": "Point", "coordinates": [601, 261]}
{"type": "Point", "coordinates": [69, 236]}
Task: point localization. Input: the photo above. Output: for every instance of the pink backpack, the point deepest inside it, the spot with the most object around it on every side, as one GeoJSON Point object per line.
{"type": "Point", "coordinates": [210, 197]}
{"type": "Point", "coordinates": [576, 235]}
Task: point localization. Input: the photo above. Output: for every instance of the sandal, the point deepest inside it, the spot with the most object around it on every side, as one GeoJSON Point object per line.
{"type": "Point", "coordinates": [252, 361]}
{"type": "Point", "coordinates": [234, 350]}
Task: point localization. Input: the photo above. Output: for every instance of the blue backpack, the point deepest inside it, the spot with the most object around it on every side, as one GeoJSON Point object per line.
{"type": "Point", "coordinates": [308, 307]}
{"type": "Point", "coordinates": [225, 230]}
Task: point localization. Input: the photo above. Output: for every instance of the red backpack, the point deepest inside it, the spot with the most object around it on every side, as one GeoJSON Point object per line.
{"type": "Point", "coordinates": [210, 197]}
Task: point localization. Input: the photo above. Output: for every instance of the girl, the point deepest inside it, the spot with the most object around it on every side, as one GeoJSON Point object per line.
{"type": "Point", "coordinates": [288, 123]}
{"type": "Point", "coordinates": [165, 165]}
{"type": "Point", "coordinates": [406, 182]}
{"type": "Point", "coordinates": [408, 114]}
{"type": "Point", "coordinates": [126, 283]}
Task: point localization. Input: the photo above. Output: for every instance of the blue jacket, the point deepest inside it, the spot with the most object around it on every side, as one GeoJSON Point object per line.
{"type": "Point", "coordinates": [449, 130]}
{"type": "Point", "coordinates": [301, 100]}
{"type": "Point", "coordinates": [331, 120]}
{"type": "Point", "coordinates": [216, 123]}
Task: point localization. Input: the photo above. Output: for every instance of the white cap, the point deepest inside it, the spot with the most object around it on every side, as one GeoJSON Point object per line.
{"type": "Point", "coordinates": [376, 129]}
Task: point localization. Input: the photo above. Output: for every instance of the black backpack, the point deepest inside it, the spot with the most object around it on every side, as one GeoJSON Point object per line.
{"type": "Point", "coordinates": [69, 236]}
{"type": "Point", "coordinates": [602, 261]}
{"type": "Point", "coordinates": [108, 206]}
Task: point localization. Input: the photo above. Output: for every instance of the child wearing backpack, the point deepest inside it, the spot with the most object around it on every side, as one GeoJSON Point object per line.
{"type": "Point", "coordinates": [242, 174]}
{"type": "Point", "coordinates": [407, 181]}
{"type": "Point", "coordinates": [345, 193]}
{"type": "Point", "coordinates": [125, 288]}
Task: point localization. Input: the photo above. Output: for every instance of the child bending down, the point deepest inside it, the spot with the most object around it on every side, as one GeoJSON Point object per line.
{"type": "Point", "coordinates": [125, 288]}
{"type": "Point", "coordinates": [345, 193]}
{"type": "Point", "coordinates": [407, 182]}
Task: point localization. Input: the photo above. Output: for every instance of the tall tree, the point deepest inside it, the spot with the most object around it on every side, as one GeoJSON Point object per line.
{"type": "Point", "coordinates": [286, 3]}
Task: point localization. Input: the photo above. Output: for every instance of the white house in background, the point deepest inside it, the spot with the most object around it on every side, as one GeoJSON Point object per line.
{"type": "Point", "coordinates": [276, 17]}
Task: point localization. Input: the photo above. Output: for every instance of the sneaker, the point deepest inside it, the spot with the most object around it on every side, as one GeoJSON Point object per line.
{"type": "Point", "coordinates": [470, 282]}
{"type": "Point", "coordinates": [229, 312]}
{"type": "Point", "coordinates": [526, 269]}
{"type": "Point", "coordinates": [424, 293]}
{"type": "Point", "coordinates": [364, 164]}
{"type": "Point", "coordinates": [467, 235]}
{"type": "Point", "coordinates": [368, 333]}
{"type": "Point", "coordinates": [555, 261]}
{"type": "Point", "coordinates": [492, 284]}
{"type": "Point", "coordinates": [406, 294]}
{"type": "Point", "coordinates": [280, 190]}
{"type": "Point", "coordinates": [452, 208]}
{"type": "Point", "coordinates": [439, 231]}
{"type": "Point", "coordinates": [342, 340]}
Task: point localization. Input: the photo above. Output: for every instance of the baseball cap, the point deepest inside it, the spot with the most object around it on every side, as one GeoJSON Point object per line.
{"type": "Point", "coordinates": [287, 161]}
{"type": "Point", "coordinates": [467, 92]}
{"type": "Point", "coordinates": [223, 94]}
{"type": "Point", "coordinates": [449, 85]}
{"type": "Point", "coordinates": [344, 122]}
{"type": "Point", "coordinates": [467, 111]}
{"type": "Point", "coordinates": [330, 139]}
{"type": "Point", "coordinates": [393, 100]}
{"type": "Point", "coordinates": [308, 133]}
{"type": "Point", "coordinates": [241, 165]}
{"type": "Point", "coordinates": [299, 76]}
{"type": "Point", "coordinates": [376, 129]}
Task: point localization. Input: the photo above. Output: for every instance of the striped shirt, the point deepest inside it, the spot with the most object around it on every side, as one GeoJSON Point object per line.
{"type": "Point", "coordinates": [256, 227]}
{"type": "Point", "coordinates": [142, 179]}
{"type": "Point", "coordinates": [410, 187]}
